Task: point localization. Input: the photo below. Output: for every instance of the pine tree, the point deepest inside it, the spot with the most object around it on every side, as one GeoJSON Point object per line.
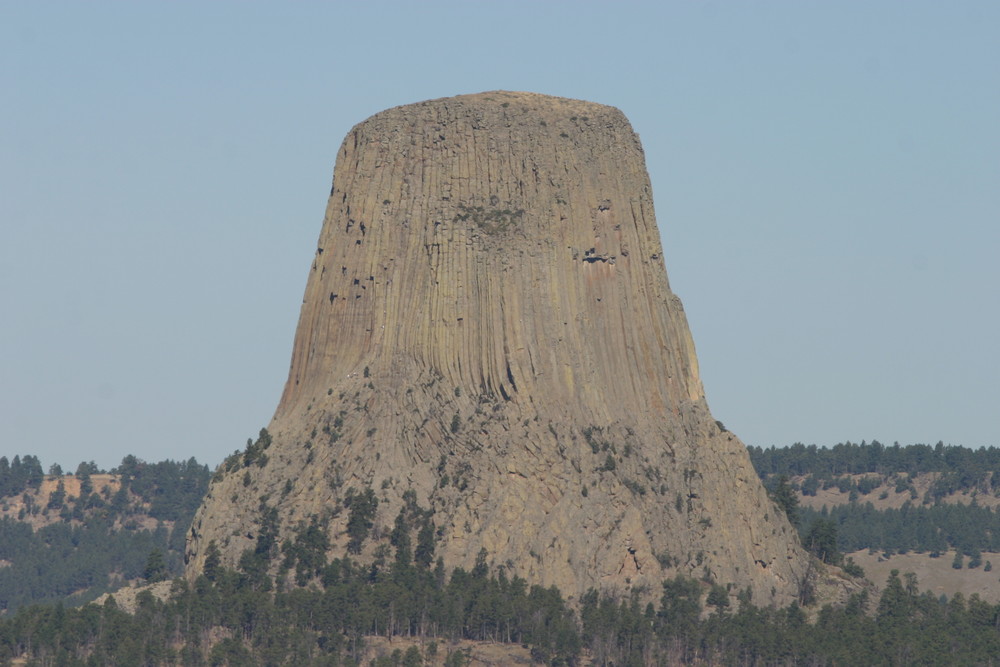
{"type": "Point", "coordinates": [57, 497]}
{"type": "Point", "coordinates": [213, 560]}
{"type": "Point", "coordinates": [156, 567]}
{"type": "Point", "coordinates": [785, 497]}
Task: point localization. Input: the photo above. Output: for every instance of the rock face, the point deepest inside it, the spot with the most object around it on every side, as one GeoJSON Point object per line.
{"type": "Point", "coordinates": [488, 324]}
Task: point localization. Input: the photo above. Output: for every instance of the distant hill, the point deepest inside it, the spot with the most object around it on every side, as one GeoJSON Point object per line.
{"type": "Point", "coordinates": [931, 510]}
{"type": "Point", "coordinates": [69, 538]}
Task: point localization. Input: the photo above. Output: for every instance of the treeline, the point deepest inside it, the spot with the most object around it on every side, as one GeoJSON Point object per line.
{"type": "Point", "coordinates": [172, 489]}
{"type": "Point", "coordinates": [969, 465]}
{"type": "Point", "coordinates": [230, 619]}
{"type": "Point", "coordinates": [935, 529]}
{"type": "Point", "coordinates": [99, 540]}
{"type": "Point", "coordinates": [300, 626]}
{"type": "Point", "coordinates": [19, 475]}
{"type": "Point", "coordinates": [923, 524]}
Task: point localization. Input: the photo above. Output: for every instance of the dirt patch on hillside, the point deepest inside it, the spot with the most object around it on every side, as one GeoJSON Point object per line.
{"type": "Point", "coordinates": [31, 506]}
{"type": "Point", "coordinates": [127, 598]}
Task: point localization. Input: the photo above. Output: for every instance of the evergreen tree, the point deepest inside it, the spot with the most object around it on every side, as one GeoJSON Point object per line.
{"type": "Point", "coordinates": [156, 567]}
{"type": "Point", "coordinates": [821, 541]}
{"type": "Point", "coordinates": [424, 554]}
{"type": "Point", "coordinates": [57, 497]}
{"type": "Point", "coordinates": [213, 559]}
{"type": "Point", "coordinates": [784, 496]}
{"type": "Point", "coordinates": [362, 514]}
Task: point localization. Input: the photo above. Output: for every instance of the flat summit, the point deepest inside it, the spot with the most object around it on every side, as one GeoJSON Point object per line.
{"type": "Point", "coordinates": [489, 339]}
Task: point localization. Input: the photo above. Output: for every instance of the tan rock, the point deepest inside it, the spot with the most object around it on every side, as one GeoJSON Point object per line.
{"type": "Point", "coordinates": [488, 303]}
{"type": "Point", "coordinates": [127, 597]}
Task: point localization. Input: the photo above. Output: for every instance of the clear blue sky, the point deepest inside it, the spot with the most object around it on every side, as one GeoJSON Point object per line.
{"type": "Point", "coordinates": [826, 178]}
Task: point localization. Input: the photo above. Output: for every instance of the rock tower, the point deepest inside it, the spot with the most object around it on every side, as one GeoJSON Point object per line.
{"type": "Point", "coordinates": [488, 329]}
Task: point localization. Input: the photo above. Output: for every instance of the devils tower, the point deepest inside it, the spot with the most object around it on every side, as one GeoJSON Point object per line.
{"type": "Point", "coordinates": [488, 332]}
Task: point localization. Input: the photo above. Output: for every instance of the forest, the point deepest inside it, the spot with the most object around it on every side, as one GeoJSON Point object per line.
{"type": "Point", "coordinates": [969, 465]}
{"type": "Point", "coordinates": [240, 618]}
{"type": "Point", "coordinates": [924, 523]}
{"type": "Point", "coordinates": [96, 542]}
{"type": "Point", "coordinates": [288, 603]}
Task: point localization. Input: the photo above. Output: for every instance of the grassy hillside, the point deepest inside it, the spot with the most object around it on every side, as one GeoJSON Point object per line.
{"type": "Point", "coordinates": [932, 511]}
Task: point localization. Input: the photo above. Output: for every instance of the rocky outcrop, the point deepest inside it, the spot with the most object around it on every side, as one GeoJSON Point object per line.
{"type": "Point", "coordinates": [488, 326]}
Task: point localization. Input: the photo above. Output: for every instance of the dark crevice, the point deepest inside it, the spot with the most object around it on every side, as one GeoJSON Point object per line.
{"type": "Point", "coordinates": [592, 256]}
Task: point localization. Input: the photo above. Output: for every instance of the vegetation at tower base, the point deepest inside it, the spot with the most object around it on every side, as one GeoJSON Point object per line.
{"type": "Point", "coordinates": [406, 614]}
{"type": "Point", "coordinates": [488, 329]}
{"type": "Point", "coordinates": [70, 538]}
{"type": "Point", "coordinates": [290, 602]}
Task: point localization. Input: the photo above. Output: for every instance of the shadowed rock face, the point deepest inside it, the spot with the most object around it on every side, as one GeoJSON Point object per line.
{"type": "Point", "coordinates": [488, 323]}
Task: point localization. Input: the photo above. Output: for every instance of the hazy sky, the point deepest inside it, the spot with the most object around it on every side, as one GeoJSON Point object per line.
{"type": "Point", "coordinates": [826, 179]}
